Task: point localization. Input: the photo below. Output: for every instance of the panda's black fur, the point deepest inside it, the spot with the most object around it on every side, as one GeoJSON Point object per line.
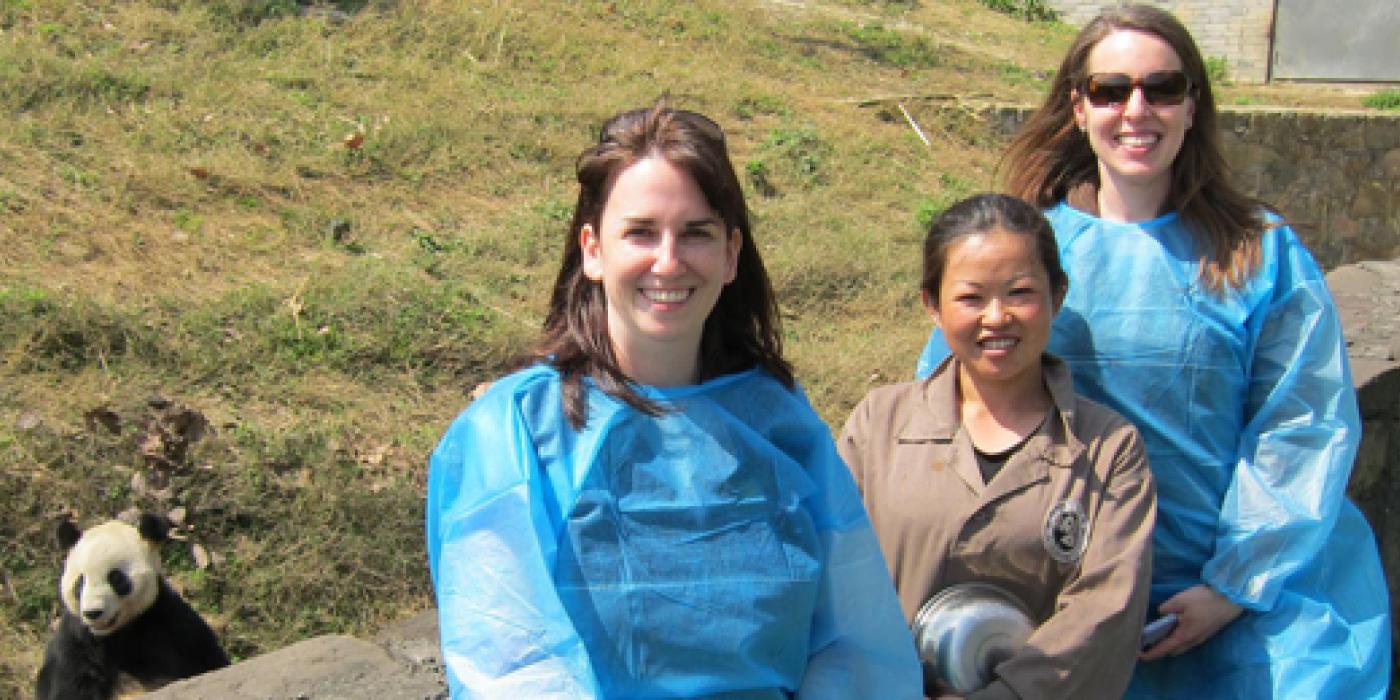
{"type": "Point", "coordinates": [118, 634]}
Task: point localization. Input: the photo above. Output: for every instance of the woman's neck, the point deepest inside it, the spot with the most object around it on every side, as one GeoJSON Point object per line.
{"type": "Point", "coordinates": [659, 366]}
{"type": "Point", "coordinates": [1128, 202]}
{"type": "Point", "coordinates": [997, 416]}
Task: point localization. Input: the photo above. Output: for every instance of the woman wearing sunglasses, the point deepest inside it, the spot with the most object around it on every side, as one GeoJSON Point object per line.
{"type": "Point", "coordinates": [652, 509]}
{"type": "Point", "coordinates": [1197, 314]}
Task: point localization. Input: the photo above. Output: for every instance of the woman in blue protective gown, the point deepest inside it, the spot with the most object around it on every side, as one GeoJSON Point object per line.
{"type": "Point", "coordinates": [1201, 317]}
{"type": "Point", "coordinates": [652, 509]}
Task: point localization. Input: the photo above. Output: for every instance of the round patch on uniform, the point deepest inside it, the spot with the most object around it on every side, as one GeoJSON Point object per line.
{"type": "Point", "coordinates": [1066, 531]}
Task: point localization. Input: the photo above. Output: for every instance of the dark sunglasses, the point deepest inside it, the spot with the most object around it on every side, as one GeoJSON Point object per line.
{"type": "Point", "coordinates": [1159, 89]}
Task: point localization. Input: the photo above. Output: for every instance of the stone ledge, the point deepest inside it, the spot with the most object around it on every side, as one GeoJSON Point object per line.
{"type": "Point", "coordinates": [1368, 301]}
{"type": "Point", "coordinates": [402, 664]}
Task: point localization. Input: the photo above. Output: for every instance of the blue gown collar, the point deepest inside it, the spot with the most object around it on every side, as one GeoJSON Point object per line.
{"type": "Point", "coordinates": [1163, 220]}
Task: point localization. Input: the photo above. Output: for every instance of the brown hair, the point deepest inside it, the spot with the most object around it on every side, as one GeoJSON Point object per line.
{"type": "Point", "coordinates": [743, 328]}
{"type": "Point", "coordinates": [1050, 158]}
{"type": "Point", "coordinates": [981, 213]}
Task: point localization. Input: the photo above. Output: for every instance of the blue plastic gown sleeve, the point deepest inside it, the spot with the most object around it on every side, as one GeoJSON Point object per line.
{"type": "Point", "coordinates": [505, 633]}
{"type": "Point", "coordinates": [1299, 439]}
{"type": "Point", "coordinates": [860, 646]}
{"type": "Point", "coordinates": [853, 654]}
{"type": "Point", "coordinates": [935, 351]}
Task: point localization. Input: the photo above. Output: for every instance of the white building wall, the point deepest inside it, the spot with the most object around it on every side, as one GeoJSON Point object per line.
{"type": "Point", "coordinates": [1238, 31]}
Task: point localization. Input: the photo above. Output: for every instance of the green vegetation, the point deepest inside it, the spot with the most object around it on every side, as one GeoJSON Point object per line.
{"type": "Point", "coordinates": [1218, 70]}
{"type": "Point", "coordinates": [952, 188]}
{"type": "Point", "coordinates": [892, 47]}
{"type": "Point", "coordinates": [1016, 74]}
{"type": "Point", "coordinates": [1029, 10]}
{"type": "Point", "coordinates": [1388, 99]}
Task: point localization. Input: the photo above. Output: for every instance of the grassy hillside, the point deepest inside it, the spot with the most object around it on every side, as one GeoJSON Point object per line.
{"type": "Point", "coordinates": [254, 256]}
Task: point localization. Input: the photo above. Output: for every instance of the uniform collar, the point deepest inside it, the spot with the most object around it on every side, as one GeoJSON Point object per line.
{"type": "Point", "coordinates": [940, 421]}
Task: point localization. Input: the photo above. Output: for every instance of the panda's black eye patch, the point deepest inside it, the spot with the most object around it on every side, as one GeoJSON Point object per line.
{"type": "Point", "coordinates": [121, 585]}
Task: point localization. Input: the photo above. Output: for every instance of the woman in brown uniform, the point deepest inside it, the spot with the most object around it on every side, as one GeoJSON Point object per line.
{"type": "Point", "coordinates": [993, 470]}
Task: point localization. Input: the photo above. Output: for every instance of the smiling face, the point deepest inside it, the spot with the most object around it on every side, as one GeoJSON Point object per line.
{"type": "Point", "coordinates": [995, 305]}
{"type": "Point", "coordinates": [1135, 142]}
{"type": "Point", "coordinates": [662, 255]}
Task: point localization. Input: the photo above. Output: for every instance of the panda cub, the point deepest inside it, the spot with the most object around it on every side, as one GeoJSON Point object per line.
{"type": "Point", "coordinates": [120, 617]}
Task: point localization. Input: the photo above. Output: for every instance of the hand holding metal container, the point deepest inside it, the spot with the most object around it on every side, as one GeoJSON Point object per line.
{"type": "Point", "coordinates": [965, 630]}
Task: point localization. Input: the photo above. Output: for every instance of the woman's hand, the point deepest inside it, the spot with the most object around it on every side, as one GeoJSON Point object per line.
{"type": "Point", "coordinates": [1201, 611]}
{"type": "Point", "coordinates": [943, 691]}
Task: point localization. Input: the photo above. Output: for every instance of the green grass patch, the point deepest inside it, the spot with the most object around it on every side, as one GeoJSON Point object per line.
{"type": "Point", "coordinates": [45, 332]}
{"type": "Point", "coordinates": [1028, 10]}
{"type": "Point", "coordinates": [792, 157]}
{"type": "Point", "coordinates": [1388, 99]}
{"type": "Point", "coordinates": [892, 47]}
{"type": "Point", "coordinates": [1218, 70]}
{"type": "Point", "coordinates": [953, 188]}
{"type": "Point", "coordinates": [1017, 74]}
{"type": "Point", "coordinates": [365, 323]}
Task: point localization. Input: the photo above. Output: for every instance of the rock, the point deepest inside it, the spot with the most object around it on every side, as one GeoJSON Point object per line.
{"type": "Point", "coordinates": [1368, 301]}
{"type": "Point", "coordinates": [414, 642]}
{"type": "Point", "coordinates": [403, 666]}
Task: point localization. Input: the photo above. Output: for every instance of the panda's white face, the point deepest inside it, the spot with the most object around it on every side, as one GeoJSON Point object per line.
{"type": "Point", "coordinates": [111, 576]}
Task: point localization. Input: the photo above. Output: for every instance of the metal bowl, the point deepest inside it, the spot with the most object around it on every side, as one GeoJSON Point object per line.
{"type": "Point", "coordinates": [965, 630]}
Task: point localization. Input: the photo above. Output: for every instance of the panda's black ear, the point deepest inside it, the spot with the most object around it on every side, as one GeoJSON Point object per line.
{"type": "Point", "coordinates": [67, 534]}
{"type": "Point", "coordinates": [154, 528]}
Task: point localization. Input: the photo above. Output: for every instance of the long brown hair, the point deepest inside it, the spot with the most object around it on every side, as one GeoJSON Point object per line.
{"type": "Point", "coordinates": [1050, 158]}
{"type": "Point", "coordinates": [741, 331]}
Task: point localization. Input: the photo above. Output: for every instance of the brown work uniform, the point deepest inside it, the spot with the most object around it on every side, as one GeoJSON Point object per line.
{"type": "Point", "coordinates": [939, 524]}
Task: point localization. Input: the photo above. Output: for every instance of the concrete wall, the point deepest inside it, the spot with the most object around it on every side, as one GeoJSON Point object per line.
{"type": "Point", "coordinates": [1239, 31]}
{"type": "Point", "coordinates": [1335, 176]}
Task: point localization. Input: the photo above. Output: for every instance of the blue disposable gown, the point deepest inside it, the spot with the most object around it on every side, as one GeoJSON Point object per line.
{"type": "Point", "coordinates": [1246, 405]}
{"type": "Point", "coordinates": [719, 550]}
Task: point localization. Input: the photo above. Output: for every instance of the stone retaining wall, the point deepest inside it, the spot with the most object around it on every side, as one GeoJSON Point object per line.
{"type": "Point", "coordinates": [1334, 175]}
